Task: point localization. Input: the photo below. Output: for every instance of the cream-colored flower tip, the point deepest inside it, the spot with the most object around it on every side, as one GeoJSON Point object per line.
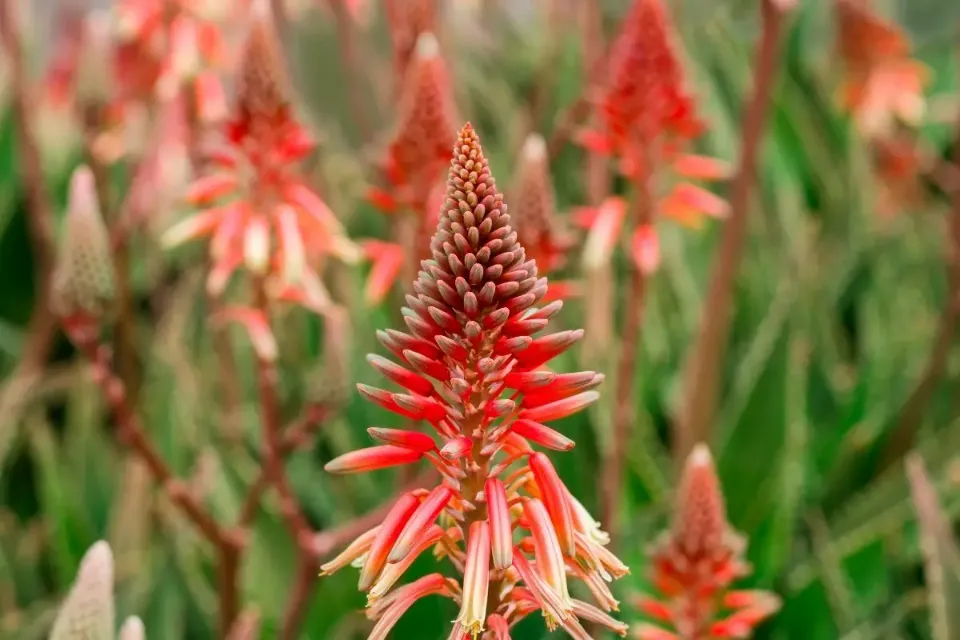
{"type": "Point", "coordinates": [88, 611]}
{"type": "Point", "coordinates": [700, 456]}
{"type": "Point", "coordinates": [132, 629]}
{"type": "Point", "coordinates": [535, 147]}
{"type": "Point", "coordinates": [427, 45]}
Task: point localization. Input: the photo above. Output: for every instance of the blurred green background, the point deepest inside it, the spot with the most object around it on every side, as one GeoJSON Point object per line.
{"type": "Point", "coordinates": [836, 310]}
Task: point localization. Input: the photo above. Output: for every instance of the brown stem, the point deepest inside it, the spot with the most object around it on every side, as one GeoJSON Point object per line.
{"type": "Point", "coordinates": [624, 408]}
{"type": "Point", "coordinates": [911, 414]}
{"type": "Point", "coordinates": [42, 328]}
{"type": "Point", "coordinates": [230, 389]}
{"type": "Point", "coordinates": [130, 432]}
{"type": "Point", "coordinates": [295, 436]}
{"type": "Point", "coordinates": [352, 68]}
{"type": "Point", "coordinates": [698, 408]}
{"type": "Point", "coordinates": [300, 529]}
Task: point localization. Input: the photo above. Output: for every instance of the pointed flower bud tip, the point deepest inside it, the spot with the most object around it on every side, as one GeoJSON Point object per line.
{"type": "Point", "coordinates": [535, 147]}
{"type": "Point", "coordinates": [427, 46]}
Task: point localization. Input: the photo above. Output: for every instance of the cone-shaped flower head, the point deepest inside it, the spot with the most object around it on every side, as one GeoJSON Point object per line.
{"type": "Point", "coordinates": [645, 103]}
{"type": "Point", "coordinates": [420, 145]}
{"type": "Point", "coordinates": [694, 564]}
{"type": "Point", "coordinates": [257, 209]}
{"type": "Point", "coordinates": [882, 83]}
{"type": "Point", "coordinates": [471, 368]}
{"type": "Point", "coordinates": [646, 119]}
{"type": "Point", "coordinates": [88, 611]}
{"type": "Point", "coordinates": [535, 207]}
{"type": "Point", "coordinates": [83, 283]}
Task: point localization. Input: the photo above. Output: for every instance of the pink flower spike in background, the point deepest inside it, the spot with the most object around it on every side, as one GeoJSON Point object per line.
{"type": "Point", "coordinates": [695, 563]}
{"type": "Point", "coordinates": [471, 370]}
{"type": "Point", "coordinates": [256, 207]}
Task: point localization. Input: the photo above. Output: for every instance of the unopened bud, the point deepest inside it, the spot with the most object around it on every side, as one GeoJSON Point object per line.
{"type": "Point", "coordinates": [132, 629]}
{"type": "Point", "coordinates": [88, 611]}
{"type": "Point", "coordinates": [84, 281]}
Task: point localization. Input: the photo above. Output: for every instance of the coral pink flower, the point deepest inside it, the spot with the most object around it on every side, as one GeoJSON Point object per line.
{"type": "Point", "coordinates": [694, 564]}
{"type": "Point", "coordinates": [256, 207]}
{"type": "Point", "coordinates": [536, 224]}
{"type": "Point", "coordinates": [165, 46]}
{"type": "Point", "coordinates": [471, 369]}
{"type": "Point", "coordinates": [415, 159]}
{"type": "Point", "coordinates": [882, 83]}
{"type": "Point", "coordinates": [646, 119]}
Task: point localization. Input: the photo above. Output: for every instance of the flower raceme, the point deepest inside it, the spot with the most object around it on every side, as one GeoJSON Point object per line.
{"type": "Point", "coordinates": [415, 160]}
{"type": "Point", "coordinates": [537, 228]}
{"type": "Point", "coordinates": [257, 208]}
{"type": "Point", "coordinates": [694, 564]}
{"type": "Point", "coordinates": [646, 120]}
{"type": "Point", "coordinates": [472, 369]}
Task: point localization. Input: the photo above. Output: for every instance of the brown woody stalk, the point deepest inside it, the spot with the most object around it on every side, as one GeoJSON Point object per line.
{"type": "Point", "coordinates": [230, 388]}
{"type": "Point", "coordinates": [43, 324]}
{"type": "Point", "coordinates": [911, 414]}
{"type": "Point", "coordinates": [300, 529]}
{"type": "Point", "coordinates": [624, 407]}
{"type": "Point", "coordinates": [131, 433]}
{"type": "Point", "coordinates": [295, 435]}
{"type": "Point", "coordinates": [701, 384]}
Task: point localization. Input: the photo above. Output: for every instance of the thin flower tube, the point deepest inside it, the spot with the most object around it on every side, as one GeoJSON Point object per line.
{"type": "Point", "coordinates": [506, 521]}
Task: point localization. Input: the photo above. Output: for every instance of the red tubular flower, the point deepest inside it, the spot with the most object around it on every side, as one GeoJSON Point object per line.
{"type": "Point", "coordinates": [647, 118]}
{"type": "Point", "coordinates": [882, 83]}
{"type": "Point", "coordinates": [695, 563]}
{"type": "Point", "coordinates": [257, 209]}
{"type": "Point", "coordinates": [471, 318]}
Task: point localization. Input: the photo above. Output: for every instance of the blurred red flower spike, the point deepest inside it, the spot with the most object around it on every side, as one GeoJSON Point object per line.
{"type": "Point", "coordinates": [645, 249]}
{"type": "Point", "coordinates": [420, 521]}
{"type": "Point", "coordinates": [542, 435]}
{"type": "Point", "coordinates": [372, 459]}
{"type": "Point", "coordinates": [413, 440]}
